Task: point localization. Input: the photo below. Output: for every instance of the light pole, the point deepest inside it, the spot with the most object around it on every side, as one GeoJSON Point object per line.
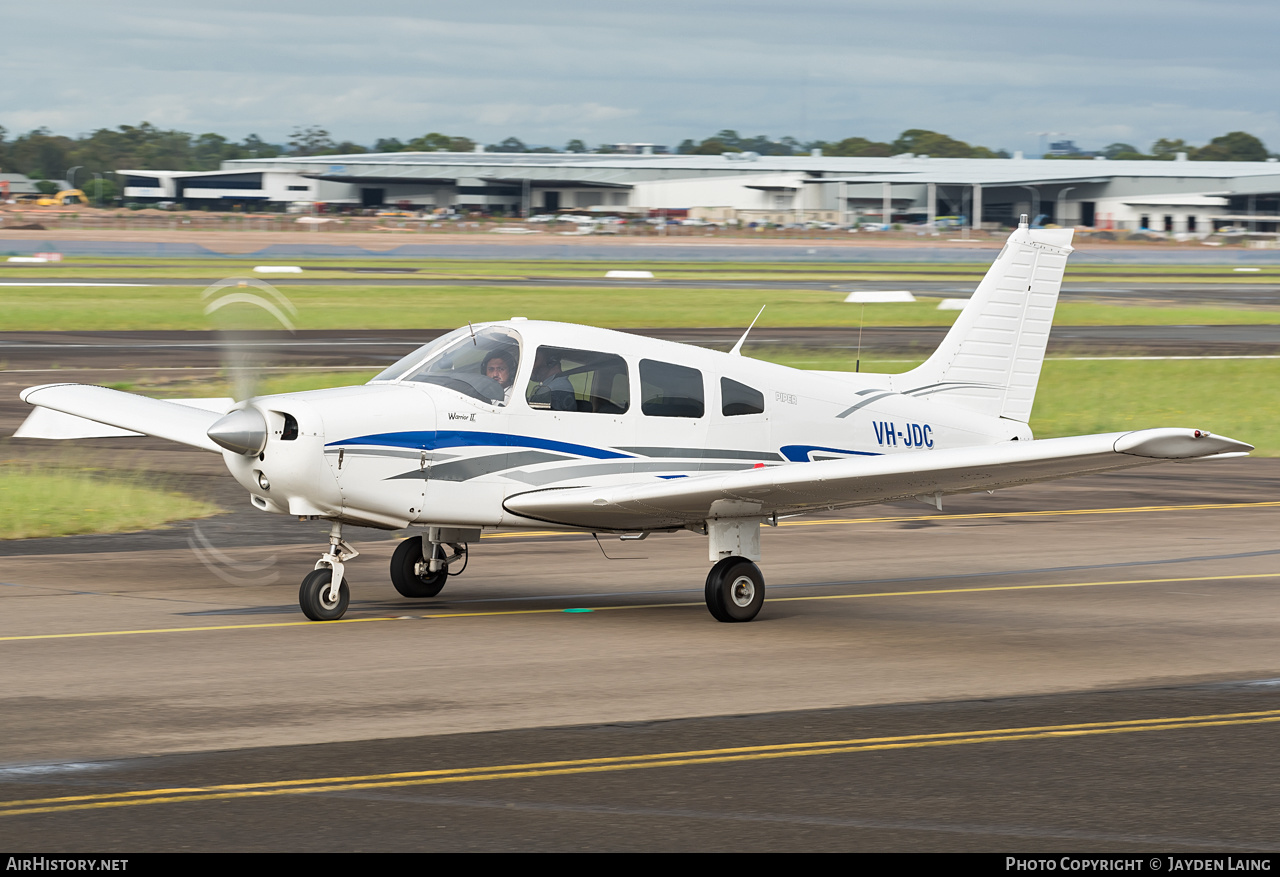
{"type": "Point", "coordinates": [1059, 214]}
{"type": "Point", "coordinates": [71, 176]}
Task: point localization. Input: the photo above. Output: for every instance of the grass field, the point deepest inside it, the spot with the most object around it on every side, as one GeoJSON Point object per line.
{"type": "Point", "coordinates": [216, 268]}
{"type": "Point", "coordinates": [382, 307]}
{"type": "Point", "coordinates": [37, 502]}
{"type": "Point", "coordinates": [1239, 398]}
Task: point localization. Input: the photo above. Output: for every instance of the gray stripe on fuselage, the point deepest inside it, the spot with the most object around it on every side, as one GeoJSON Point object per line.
{"type": "Point", "coordinates": [703, 453]}
{"type": "Point", "coordinates": [917, 394]}
{"type": "Point", "coordinates": [474, 467]}
{"type": "Point", "coordinates": [852, 408]}
{"type": "Point", "coordinates": [948, 385]}
{"type": "Point", "coordinates": [565, 473]}
{"type": "Point", "coordinates": [359, 451]}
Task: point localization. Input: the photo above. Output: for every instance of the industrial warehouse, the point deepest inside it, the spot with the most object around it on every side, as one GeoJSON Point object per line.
{"type": "Point", "coordinates": [742, 188]}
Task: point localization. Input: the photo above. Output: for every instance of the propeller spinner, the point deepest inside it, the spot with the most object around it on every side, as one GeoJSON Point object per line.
{"type": "Point", "coordinates": [243, 431]}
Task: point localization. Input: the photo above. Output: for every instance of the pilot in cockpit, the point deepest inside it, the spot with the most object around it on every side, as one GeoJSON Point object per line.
{"type": "Point", "coordinates": [500, 366]}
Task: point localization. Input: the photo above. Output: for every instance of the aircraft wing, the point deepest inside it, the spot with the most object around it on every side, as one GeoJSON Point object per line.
{"type": "Point", "coordinates": [157, 417]}
{"type": "Point", "coordinates": [832, 484]}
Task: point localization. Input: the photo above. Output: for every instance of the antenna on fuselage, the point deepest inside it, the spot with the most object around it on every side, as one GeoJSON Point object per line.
{"type": "Point", "coordinates": [737, 348]}
{"type": "Point", "coordinates": [862, 318]}
{"type": "Point", "coordinates": [473, 334]}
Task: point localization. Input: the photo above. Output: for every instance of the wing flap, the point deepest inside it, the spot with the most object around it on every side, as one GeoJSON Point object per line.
{"type": "Point", "coordinates": [156, 417]}
{"type": "Point", "coordinates": [831, 484]}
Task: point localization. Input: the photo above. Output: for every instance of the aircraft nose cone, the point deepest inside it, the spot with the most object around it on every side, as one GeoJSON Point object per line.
{"type": "Point", "coordinates": [241, 432]}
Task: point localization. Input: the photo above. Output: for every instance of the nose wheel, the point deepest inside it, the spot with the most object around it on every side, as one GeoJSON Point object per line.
{"type": "Point", "coordinates": [315, 599]}
{"type": "Point", "coordinates": [735, 590]}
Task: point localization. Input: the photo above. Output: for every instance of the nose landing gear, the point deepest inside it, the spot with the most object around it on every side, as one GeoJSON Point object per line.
{"type": "Point", "coordinates": [324, 594]}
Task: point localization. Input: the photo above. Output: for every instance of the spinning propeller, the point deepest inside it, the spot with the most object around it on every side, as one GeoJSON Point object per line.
{"type": "Point", "coordinates": [248, 316]}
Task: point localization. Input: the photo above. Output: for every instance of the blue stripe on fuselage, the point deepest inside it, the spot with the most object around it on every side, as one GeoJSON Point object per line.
{"type": "Point", "coordinates": [800, 453]}
{"type": "Point", "coordinates": [431, 440]}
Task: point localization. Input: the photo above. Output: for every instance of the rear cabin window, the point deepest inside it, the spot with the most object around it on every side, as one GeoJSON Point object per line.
{"type": "Point", "coordinates": [669, 390]}
{"type": "Point", "coordinates": [737, 399]}
{"type": "Point", "coordinates": [564, 379]}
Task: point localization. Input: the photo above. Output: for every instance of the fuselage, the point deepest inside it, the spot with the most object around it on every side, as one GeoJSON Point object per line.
{"type": "Point", "coordinates": [432, 441]}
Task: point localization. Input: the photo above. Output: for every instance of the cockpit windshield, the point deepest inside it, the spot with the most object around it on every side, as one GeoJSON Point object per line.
{"type": "Point", "coordinates": [402, 365]}
{"type": "Point", "coordinates": [482, 366]}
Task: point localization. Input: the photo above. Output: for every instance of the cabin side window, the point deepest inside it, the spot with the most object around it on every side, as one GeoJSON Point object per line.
{"type": "Point", "coordinates": [669, 390]}
{"type": "Point", "coordinates": [565, 379]}
{"type": "Point", "coordinates": [737, 399]}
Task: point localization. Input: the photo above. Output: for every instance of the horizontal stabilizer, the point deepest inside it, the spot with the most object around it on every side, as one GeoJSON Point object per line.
{"type": "Point", "coordinates": [161, 418]}
{"type": "Point", "coordinates": [831, 484]}
{"type": "Point", "coordinates": [45, 423]}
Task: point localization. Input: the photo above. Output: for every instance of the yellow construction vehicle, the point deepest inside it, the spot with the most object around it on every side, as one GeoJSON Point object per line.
{"type": "Point", "coordinates": [65, 198]}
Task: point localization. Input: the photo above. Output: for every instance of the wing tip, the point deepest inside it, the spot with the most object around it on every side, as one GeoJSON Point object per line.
{"type": "Point", "coordinates": [26, 394]}
{"type": "Point", "coordinates": [1179, 444]}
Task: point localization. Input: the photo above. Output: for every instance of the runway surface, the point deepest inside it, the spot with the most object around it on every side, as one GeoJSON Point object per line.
{"type": "Point", "coordinates": [1191, 289]}
{"type": "Point", "coordinates": [269, 246]}
{"type": "Point", "coordinates": [45, 357]}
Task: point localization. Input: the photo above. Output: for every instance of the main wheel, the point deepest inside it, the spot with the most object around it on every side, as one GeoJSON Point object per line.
{"type": "Point", "coordinates": [735, 590]}
{"type": "Point", "coordinates": [313, 596]}
{"type": "Point", "coordinates": [404, 575]}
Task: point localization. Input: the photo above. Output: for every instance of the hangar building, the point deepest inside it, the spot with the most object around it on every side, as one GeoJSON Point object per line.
{"type": "Point", "coordinates": [1176, 196]}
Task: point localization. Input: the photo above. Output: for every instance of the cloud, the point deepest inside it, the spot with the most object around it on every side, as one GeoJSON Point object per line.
{"type": "Point", "coordinates": [658, 72]}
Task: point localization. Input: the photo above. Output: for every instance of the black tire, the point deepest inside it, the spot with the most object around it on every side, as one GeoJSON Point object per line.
{"type": "Point", "coordinates": [403, 575]}
{"type": "Point", "coordinates": [735, 590]}
{"type": "Point", "coordinates": [313, 596]}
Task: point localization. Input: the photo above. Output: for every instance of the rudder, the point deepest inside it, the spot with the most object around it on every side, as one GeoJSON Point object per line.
{"type": "Point", "coordinates": [990, 360]}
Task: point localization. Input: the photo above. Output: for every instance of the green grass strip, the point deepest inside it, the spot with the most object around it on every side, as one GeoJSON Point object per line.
{"type": "Point", "coordinates": [36, 502]}
{"type": "Point", "coordinates": [380, 307]}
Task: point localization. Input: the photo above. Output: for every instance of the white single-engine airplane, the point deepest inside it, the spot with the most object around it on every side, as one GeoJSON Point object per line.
{"type": "Point", "coordinates": [525, 423]}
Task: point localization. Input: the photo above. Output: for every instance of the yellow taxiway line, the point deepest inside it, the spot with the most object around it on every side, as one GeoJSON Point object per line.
{"type": "Point", "coordinates": [630, 606]}
{"type": "Point", "coordinates": [609, 764]}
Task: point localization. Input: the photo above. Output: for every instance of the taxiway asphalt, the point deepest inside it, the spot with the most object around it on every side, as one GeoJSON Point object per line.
{"type": "Point", "coordinates": [1089, 665]}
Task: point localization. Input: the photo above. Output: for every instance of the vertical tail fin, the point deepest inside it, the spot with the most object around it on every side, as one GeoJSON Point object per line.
{"type": "Point", "coordinates": [990, 360]}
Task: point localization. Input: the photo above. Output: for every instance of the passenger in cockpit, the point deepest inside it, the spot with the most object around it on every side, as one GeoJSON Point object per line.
{"type": "Point", "coordinates": [553, 389]}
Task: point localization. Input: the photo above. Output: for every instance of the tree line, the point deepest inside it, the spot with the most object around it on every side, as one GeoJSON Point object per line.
{"type": "Point", "coordinates": [1235, 146]}
{"type": "Point", "coordinates": [43, 155]}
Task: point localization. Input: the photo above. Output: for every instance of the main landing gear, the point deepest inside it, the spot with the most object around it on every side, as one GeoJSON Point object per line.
{"type": "Point", "coordinates": [414, 575]}
{"type": "Point", "coordinates": [735, 587]}
{"type": "Point", "coordinates": [735, 590]}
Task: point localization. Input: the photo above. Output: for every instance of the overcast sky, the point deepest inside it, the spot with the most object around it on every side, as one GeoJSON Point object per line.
{"type": "Point", "coordinates": [988, 71]}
